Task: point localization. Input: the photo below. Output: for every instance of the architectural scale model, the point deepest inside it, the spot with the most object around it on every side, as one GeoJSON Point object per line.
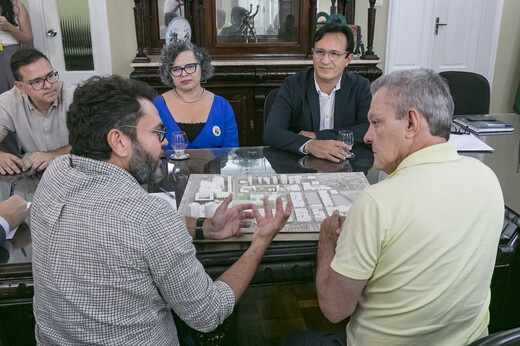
{"type": "Point", "coordinates": [314, 196]}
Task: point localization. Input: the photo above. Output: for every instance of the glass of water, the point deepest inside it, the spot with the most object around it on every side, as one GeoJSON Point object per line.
{"type": "Point", "coordinates": [347, 137]}
{"type": "Point", "coordinates": [179, 142]}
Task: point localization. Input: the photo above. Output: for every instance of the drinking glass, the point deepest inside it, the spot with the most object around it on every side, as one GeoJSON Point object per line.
{"type": "Point", "coordinates": [347, 137]}
{"type": "Point", "coordinates": [179, 142]}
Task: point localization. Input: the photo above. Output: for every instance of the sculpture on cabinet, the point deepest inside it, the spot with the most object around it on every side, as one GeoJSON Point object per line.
{"type": "Point", "coordinates": [247, 28]}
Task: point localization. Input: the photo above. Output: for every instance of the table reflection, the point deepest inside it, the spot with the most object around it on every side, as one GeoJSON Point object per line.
{"type": "Point", "coordinates": [252, 160]}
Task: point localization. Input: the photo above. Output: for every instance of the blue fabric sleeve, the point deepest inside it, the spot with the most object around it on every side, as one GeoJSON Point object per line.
{"type": "Point", "coordinates": [231, 130]}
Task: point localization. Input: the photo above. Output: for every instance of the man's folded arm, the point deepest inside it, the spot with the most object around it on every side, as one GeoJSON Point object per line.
{"type": "Point", "coordinates": [359, 131]}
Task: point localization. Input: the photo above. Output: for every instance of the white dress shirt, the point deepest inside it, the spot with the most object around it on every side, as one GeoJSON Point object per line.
{"type": "Point", "coordinates": [327, 102]}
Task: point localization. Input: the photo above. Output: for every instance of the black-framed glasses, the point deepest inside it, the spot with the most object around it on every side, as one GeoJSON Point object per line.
{"type": "Point", "coordinates": [39, 83]}
{"type": "Point", "coordinates": [333, 54]}
{"type": "Point", "coordinates": [161, 133]}
{"type": "Point", "coordinates": [188, 68]}
{"type": "Point", "coordinates": [459, 130]}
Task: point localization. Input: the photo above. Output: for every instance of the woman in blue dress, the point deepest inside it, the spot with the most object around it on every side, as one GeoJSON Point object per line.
{"type": "Point", "coordinates": [207, 119]}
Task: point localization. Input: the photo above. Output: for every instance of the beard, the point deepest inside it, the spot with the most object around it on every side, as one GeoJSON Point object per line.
{"type": "Point", "coordinates": [143, 167]}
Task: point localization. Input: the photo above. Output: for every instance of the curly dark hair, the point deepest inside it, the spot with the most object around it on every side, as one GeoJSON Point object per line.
{"type": "Point", "coordinates": [100, 105]}
{"type": "Point", "coordinates": [170, 52]}
{"type": "Point", "coordinates": [8, 11]}
{"type": "Point", "coordinates": [333, 28]}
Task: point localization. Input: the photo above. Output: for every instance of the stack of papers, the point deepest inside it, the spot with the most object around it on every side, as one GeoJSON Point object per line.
{"type": "Point", "coordinates": [480, 123]}
{"type": "Point", "coordinates": [469, 142]}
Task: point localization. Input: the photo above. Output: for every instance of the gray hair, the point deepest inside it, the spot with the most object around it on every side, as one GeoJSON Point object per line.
{"type": "Point", "coordinates": [170, 52]}
{"type": "Point", "coordinates": [424, 90]}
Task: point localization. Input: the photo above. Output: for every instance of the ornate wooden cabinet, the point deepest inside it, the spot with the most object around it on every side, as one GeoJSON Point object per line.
{"type": "Point", "coordinates": [246, 69]}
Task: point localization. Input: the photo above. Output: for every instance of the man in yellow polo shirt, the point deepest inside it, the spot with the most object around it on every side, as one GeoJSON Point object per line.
{"type": "Point", "coordinates": [413, 262]}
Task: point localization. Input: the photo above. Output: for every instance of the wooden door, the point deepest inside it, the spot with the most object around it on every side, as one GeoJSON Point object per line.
{"type": "Point", "coordinates": [74, 36]}
{"type": "Point", "coordinates": [444, 35]}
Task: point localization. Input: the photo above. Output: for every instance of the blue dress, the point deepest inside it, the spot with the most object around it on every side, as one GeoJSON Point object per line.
{"type": "Point", "coordinates": [220, 130]}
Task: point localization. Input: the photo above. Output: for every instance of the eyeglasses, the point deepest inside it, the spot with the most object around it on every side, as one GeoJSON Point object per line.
{"type": "Point", "coordinates": [459, 130]}
{"type": "Point", "coordinates": [189, 69]}
{"type": "Point", "coordinates": [333, 54]}
{"type": "Point", "coordinates": [39, 83]}
{"type": "Point", "coordinates": [161, 133]}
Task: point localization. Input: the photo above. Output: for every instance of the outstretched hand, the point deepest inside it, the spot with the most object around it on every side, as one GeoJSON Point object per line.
{"type": "Point", "coordinates": [268, 226]}
{"type": "Point", "coordinates": [229, 222]}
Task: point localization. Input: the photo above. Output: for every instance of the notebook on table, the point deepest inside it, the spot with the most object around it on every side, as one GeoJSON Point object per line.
{"type": "Point", "coordinates": [481, 123]}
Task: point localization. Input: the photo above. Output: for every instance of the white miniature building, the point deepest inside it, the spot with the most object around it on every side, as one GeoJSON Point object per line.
{"type": "Point", "coordinates": [210, 208]}
{"type": "Point", "coordinates": [195, 210]}
{"type": "Point", "coordinates": [204, 196]}
{"type": "Point", "coordinates": [302, 215]}
{"type": "Point", "coordinates": [325, 198]}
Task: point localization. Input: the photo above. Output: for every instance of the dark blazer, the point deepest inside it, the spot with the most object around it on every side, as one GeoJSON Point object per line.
{"type": "Point", "coordinates": [3, 232]}
{"type": "Point", "coordinates": [297, 108]}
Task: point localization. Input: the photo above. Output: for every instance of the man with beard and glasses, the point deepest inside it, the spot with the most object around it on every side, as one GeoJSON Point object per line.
{"type": "Point", "coordinates": [110, 261]}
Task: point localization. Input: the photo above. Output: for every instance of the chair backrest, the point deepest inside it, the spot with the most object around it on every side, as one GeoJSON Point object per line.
{"type": "Point", "coordinates": [516, 106]}
{"type": "Point", "coordinates": [506, 338]}
{"type": "Point", "coordinates": [269, 100]}
{"type": "Point", "coordinates": [470, 92]}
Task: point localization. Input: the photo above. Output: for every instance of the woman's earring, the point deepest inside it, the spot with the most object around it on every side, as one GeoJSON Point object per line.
{"type": "Point", "coordinates": [202, 80]}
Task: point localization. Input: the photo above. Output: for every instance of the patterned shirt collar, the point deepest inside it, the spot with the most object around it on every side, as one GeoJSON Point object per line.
{"type": "Point", "coordinates": [88, 166]}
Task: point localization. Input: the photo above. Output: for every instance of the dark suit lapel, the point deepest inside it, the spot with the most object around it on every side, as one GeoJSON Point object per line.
{"type": "Point", "coordinates": [314, 103]}
{"type": "Point", "coordinates": [341, 101]}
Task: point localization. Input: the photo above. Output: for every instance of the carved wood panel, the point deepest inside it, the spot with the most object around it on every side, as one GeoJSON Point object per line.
{"type": "Point", "coordinates": [241, 100]}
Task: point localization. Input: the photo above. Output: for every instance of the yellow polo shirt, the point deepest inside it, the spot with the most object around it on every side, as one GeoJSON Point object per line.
{"type": "Point", "coordinates": [426, 240]}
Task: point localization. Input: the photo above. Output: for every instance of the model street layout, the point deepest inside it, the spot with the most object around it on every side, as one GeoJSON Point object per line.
{"type": "Point", "coordinates": [314, 196]}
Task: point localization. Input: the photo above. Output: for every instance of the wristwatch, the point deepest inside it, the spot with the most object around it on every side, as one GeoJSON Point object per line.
{"type": "Point", "coordinates": [199, 229]}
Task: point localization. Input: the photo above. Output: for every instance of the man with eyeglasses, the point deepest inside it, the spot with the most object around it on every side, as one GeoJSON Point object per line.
{"type": "Point", "coordinates": [35, 111]}
{"type": "Point", "coordinates": [110, 261]}
{"type": "Point", "coordinates": [313, 105]}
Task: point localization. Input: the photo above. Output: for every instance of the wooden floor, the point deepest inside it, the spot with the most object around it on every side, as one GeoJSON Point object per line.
{"type": "Point", "coordinates": [265, 314]}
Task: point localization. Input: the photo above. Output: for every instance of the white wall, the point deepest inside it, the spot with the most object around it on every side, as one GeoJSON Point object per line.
{"type": "Point", "coordinates": [123, 44]}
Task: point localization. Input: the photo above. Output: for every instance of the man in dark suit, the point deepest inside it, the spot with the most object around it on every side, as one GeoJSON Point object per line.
{"type": "Point", "coordinates": [313, 105]}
